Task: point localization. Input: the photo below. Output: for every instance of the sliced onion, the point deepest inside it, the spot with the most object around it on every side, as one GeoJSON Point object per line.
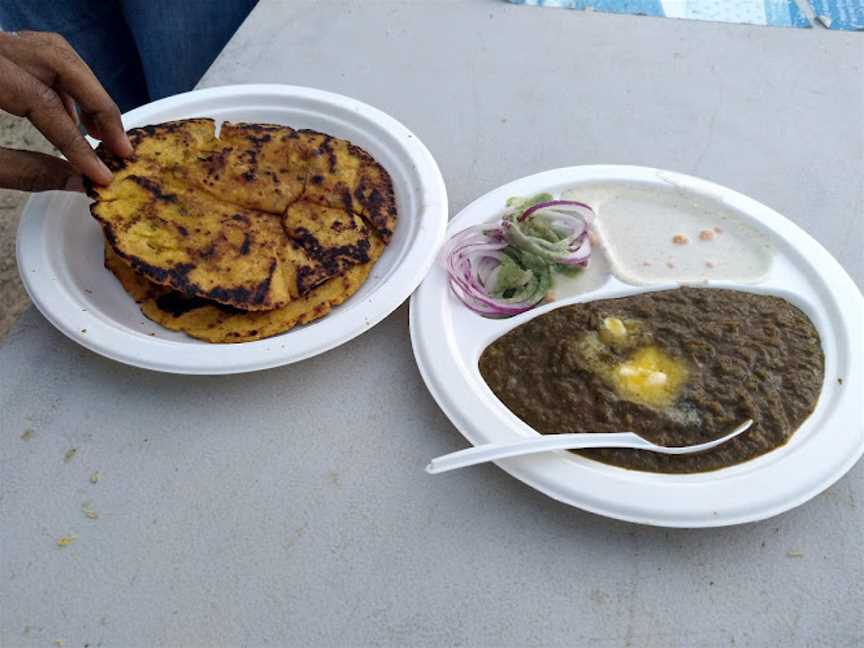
{"type": "Point", "coordinates": [473, 258]}
{"type": "Point", "coordinates": [567, 219]}
{"type": "Point", "coordinates": [580, 255]}
{"type": "Point", "coordinates": [567, 206]}
{"type": "Point", "coordinates": [549, 233]}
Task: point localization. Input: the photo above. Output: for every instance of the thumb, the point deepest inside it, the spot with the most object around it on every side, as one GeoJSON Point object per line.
{"type": "Point", "coordinates": [29, 171]}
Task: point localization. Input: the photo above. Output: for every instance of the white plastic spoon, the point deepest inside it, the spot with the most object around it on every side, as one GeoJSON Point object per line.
{"type": "Point", "coordinates": [492, 451]}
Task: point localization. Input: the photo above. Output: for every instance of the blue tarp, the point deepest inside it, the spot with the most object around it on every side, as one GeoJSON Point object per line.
{"type": "Point", "coordinates": [841, 14]}
{"type": "Point", "coordinates": [778, 13]}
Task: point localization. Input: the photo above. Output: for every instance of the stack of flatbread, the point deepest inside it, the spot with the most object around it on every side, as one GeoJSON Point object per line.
{"type": "Point", "coordinates": [245, 235]}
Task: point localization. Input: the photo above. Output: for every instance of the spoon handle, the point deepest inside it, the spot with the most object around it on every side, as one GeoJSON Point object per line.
{"type": "Point", "coordinates": [580, 441]}
{"type": "Point", "coordinates": [492, 451]}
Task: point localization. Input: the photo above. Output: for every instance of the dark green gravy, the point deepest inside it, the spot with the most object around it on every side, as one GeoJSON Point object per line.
{"type": "Point", "coordinates": [678, 367]}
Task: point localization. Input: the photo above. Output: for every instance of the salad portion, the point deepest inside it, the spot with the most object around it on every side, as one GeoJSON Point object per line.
{"type": "Point", "coordinates": [505, 269]}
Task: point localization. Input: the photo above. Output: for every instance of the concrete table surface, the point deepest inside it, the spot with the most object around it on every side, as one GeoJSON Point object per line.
{"type": "Point", "coordinates": [289, 507]}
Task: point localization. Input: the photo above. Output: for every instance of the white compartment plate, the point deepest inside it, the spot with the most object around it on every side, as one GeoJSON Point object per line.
{"type": "Point", "coordinates": [60, 244]}
{"type": "Point", "coordinates": [448, 339]}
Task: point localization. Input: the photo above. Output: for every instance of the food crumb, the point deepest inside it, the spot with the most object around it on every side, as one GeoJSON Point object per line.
{"type": "Point", "coordinates": [839, 382]}
{"type": "Point", "coordinates": [83, 330]}
{"type": "Point", "coordinates": [670, 265]}
{"type": "Point", "coordinates": [709, 264]}
{"type": "Point", "coordinates": [89, 512]}
{"type": "Point", "coordinates": [27, 434]}
{"type": "Point", "coordinates": [718, 230]}
{"type": "Point", "coordinates": [70, 454]}
{"type": "Point", "coordinates": [646, 264]}
{"type": "Point", "coordinates": [94, 477]}
{"type": "Point", "coordinates": [680, 239]}
{"type": "Point", "coordinates": [65, 541]}
{"type": "Point", "coordinates": [706, 235]}
{"type": "Point", "coordinates": [794, 553]}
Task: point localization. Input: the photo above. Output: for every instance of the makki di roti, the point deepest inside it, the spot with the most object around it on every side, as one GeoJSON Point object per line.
{"type": "Point", "coordinates": [678, 367]}
{"type": "Point", "coordinates": [214, 322]}
{"type": "Point", "coordinates": [253, 219]}
{"type": "Point", "coordinates": [261, 220]}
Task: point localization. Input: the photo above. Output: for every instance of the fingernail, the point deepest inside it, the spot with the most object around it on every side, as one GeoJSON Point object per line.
{"type": "Point", "coordinates": [129, 149]}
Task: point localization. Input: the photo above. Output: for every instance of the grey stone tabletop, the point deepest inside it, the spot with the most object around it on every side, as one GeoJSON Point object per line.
{"type": "Point", "coordinates": [290, 507]}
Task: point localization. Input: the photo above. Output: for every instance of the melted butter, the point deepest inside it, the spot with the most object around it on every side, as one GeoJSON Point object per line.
{"type": "Point", "coordinates": [650, 377]}
{"type": "Point", "coordinates": [615, 326]}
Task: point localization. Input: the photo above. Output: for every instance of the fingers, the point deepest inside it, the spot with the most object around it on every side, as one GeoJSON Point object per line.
{"type": "Point", "coordinates": [25, 96]}
{"type": "Point", "coordinates": [92, 127]}
{"type": "Point", "coordinates": [49, 58]}
{"type": "Point", "coordinates": [69, 105]}
{"type": "Point", "coordinates": [29, 171]}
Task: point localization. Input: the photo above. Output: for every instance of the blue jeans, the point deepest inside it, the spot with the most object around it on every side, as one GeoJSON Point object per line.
{"type": "Point", "coordinates": [140, 50]}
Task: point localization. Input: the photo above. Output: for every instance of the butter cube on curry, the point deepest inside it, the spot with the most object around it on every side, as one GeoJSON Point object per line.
{"type": "Point", "coordinates": [649, 376]}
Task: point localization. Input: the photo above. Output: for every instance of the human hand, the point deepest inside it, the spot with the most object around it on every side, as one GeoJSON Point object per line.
{"type": "Point", "coordinates": [42, 78]}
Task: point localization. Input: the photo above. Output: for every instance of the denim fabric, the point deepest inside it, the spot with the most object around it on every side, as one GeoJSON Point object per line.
{"type": "Point", "coordinates": [140, 50]}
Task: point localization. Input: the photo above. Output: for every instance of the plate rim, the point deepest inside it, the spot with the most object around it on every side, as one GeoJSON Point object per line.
{"type": "Point", "coordinates": [432, 212]}
{"type": "Point", "coordinates": [526, 469]}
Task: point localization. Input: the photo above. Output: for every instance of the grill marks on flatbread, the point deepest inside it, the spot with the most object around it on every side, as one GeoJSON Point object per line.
{"type": "Point", "coordinates": [188, 240]}
{"type": "Point", "coordinates": [255, 219]}
{"type": "Point", "coordinates": [333, 239]}
{"type": "Point", "coordinates": [251, 165]}
{"type": "Point", "coordinates": [340, 174]}
{"type": "Point", "coordinates": [218, 323]}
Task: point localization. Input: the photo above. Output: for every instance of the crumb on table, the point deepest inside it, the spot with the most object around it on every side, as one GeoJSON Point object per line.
{"type": "Point", "coordinates": [680, 239]}
{"type": "Point", "coordinates": [707, 235]}
{"type": "Point", "coordinates": [87, 509]}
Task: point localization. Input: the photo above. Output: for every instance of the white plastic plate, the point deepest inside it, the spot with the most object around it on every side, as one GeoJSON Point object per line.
{"type": "Point", "coordinates": [60, 244]}
{"type": "Point", "coordinates": [448, 339]}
